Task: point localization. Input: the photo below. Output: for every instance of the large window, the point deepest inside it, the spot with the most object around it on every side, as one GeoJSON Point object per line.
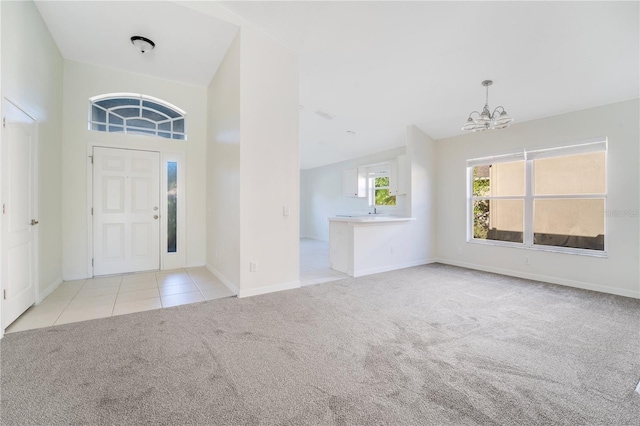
{"type": "Point", "coordinates": [136, 114]}
{"type": "Point", "coordinates": [549, 199]}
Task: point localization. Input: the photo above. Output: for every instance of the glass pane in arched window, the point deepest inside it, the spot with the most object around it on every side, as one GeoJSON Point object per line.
{"type": "Point", "coordinates": [98, 115]}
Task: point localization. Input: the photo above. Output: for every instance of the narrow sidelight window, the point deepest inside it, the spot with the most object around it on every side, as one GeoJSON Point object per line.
{"type": "Point", "coordinates": [172, 206]}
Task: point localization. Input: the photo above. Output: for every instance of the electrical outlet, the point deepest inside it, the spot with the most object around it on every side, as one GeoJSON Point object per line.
{"type": "Point", "coordinates": [527, 261]}
{"type": "Point", "coordinates": [285, 211]}
{"type": "Point", "coordinates": [253, 266]}
{"type": "Point", "coordinates": [393, 249]}
{"type": "Point", "coordinates": [459, 250]}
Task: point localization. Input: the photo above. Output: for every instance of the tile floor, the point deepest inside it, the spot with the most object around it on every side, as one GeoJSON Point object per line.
{"type": "Point", "coordinates": [314, 263]}
{"type": "Point", "coordinates": [103, 297]}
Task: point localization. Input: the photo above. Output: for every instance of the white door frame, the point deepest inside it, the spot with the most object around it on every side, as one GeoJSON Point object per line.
{"type": "Point", "coordinates": [143, 143]}
{"type": "Point", "coordinates": [34, 205]}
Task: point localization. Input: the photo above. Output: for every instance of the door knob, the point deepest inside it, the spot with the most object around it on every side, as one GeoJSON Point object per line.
{"type": "Point", "coordinates": [155, 216]}
{"type": "Point", "coordinates": [34, 222]}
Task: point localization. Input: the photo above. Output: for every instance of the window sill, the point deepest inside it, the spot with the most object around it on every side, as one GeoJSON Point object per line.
{"type": "Point", "coordinates": [562, 250]}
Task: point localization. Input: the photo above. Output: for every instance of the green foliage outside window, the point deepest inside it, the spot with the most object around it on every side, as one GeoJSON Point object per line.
{"type": "Point", "coordinates": [382, 196]}
{"type": "Point", "coordinates": [481, 186]}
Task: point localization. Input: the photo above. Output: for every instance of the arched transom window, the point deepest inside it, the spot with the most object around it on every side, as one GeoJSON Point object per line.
{"type": "Point", "coordinates": [137, 114]}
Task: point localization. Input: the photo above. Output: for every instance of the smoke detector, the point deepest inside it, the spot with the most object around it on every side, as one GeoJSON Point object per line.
{"type": "Point", "coordinates": [325, 115]}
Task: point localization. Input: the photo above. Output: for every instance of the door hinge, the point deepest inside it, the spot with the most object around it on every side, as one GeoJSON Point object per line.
{"type": "Point", "coordinates": [91, 211]}
{"type": "Point", "coordinates": [4, 294]}
{"type": "Point", "coordinates": [4, 208]}
{"type": "Point", "coordinates": [91, 156]}
{"type": "Point", "coordinates": [91, 262]}
{"type": "Point", "coordinates": [4, 121]}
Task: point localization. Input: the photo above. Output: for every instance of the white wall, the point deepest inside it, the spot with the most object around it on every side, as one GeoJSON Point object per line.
{"type": "Point", "coordinates": [31, 73]}
{"type": "Point", "coordinates": [618, 273]}
{"type": "Point", "coordinates": [421, 151]}
{"type": "Point", "coordinates": [377, 247]}
{"type": "Point", "coordinates": [223, 169]}
{"type": "Point", "coordinates": [322, 197]}
{"type": "Point", "coordinates": [269, 156]}
{"type": "Point", "coordinates": [305, 202]}
{"type": "Point", "coordinates": [82, 81]}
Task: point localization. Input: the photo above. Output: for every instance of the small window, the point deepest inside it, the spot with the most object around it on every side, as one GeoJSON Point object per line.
{"type": "Point", "coordinates": [549, 199]}
{"type": "Point", "coordinates": [137, 114]}
{"type": "Point", "coordinates": [379, 187]}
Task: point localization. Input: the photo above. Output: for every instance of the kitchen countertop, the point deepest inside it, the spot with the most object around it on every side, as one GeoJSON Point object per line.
{"type": "Point", "coordinates": [371, 219]}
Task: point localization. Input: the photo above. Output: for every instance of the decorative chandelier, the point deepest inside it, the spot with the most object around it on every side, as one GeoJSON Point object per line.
{"type": "Point", "coordinates": [486, 120]}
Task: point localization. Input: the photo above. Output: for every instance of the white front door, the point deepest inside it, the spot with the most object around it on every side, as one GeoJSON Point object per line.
{"type": "Point", "coordinates": [19, 230]}
{"type": "Point", "coordinates": [126, 201]}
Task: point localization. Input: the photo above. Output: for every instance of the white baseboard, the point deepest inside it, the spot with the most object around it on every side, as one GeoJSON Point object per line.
{"type": "Point", "coordinates": [75, 277]}
{"type": "Point", "coordinates": [231, 286]}
{"type": "Point", "coordinates": [543, 278]}
{"type": "Point", "coordinates": [379, 269]}
{"type": "Point", "coordinates": [253, 291]}
{"type": "Point", "coordinates": [315, 237]}
{"type": "Point", "coordinates": [269, 289]}
{"type": "Point", "coordinates": [41, 295]}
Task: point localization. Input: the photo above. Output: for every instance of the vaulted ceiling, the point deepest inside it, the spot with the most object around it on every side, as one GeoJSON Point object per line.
{"type": "Point", "coordinates": [190, 45]}
{"type": "Point", "coordinates": [376, 67]}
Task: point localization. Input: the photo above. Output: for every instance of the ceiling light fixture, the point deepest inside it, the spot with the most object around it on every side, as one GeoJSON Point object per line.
{"type": "Point", "coordinates": [142, 43]}
{"type": "Point", "coordinates": [486, 120]}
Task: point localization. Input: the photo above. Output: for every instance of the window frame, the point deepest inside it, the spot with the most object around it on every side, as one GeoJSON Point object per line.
{"type": "Point", "coordinates": [599, 144]}
{"type": "Point", "coordinates": [137, 130]}
{"type": "Point", "coordinates": [371, 188]}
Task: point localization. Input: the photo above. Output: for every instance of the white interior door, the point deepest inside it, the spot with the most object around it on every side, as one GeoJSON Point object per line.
{"type": "Point", "coordinates": [126, 201]}
{"type": "Point", "coordinates": [19, 233]}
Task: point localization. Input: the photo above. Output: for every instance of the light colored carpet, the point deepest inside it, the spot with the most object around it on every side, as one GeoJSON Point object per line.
{"type": "Point", "coordinates": [428, 345]}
